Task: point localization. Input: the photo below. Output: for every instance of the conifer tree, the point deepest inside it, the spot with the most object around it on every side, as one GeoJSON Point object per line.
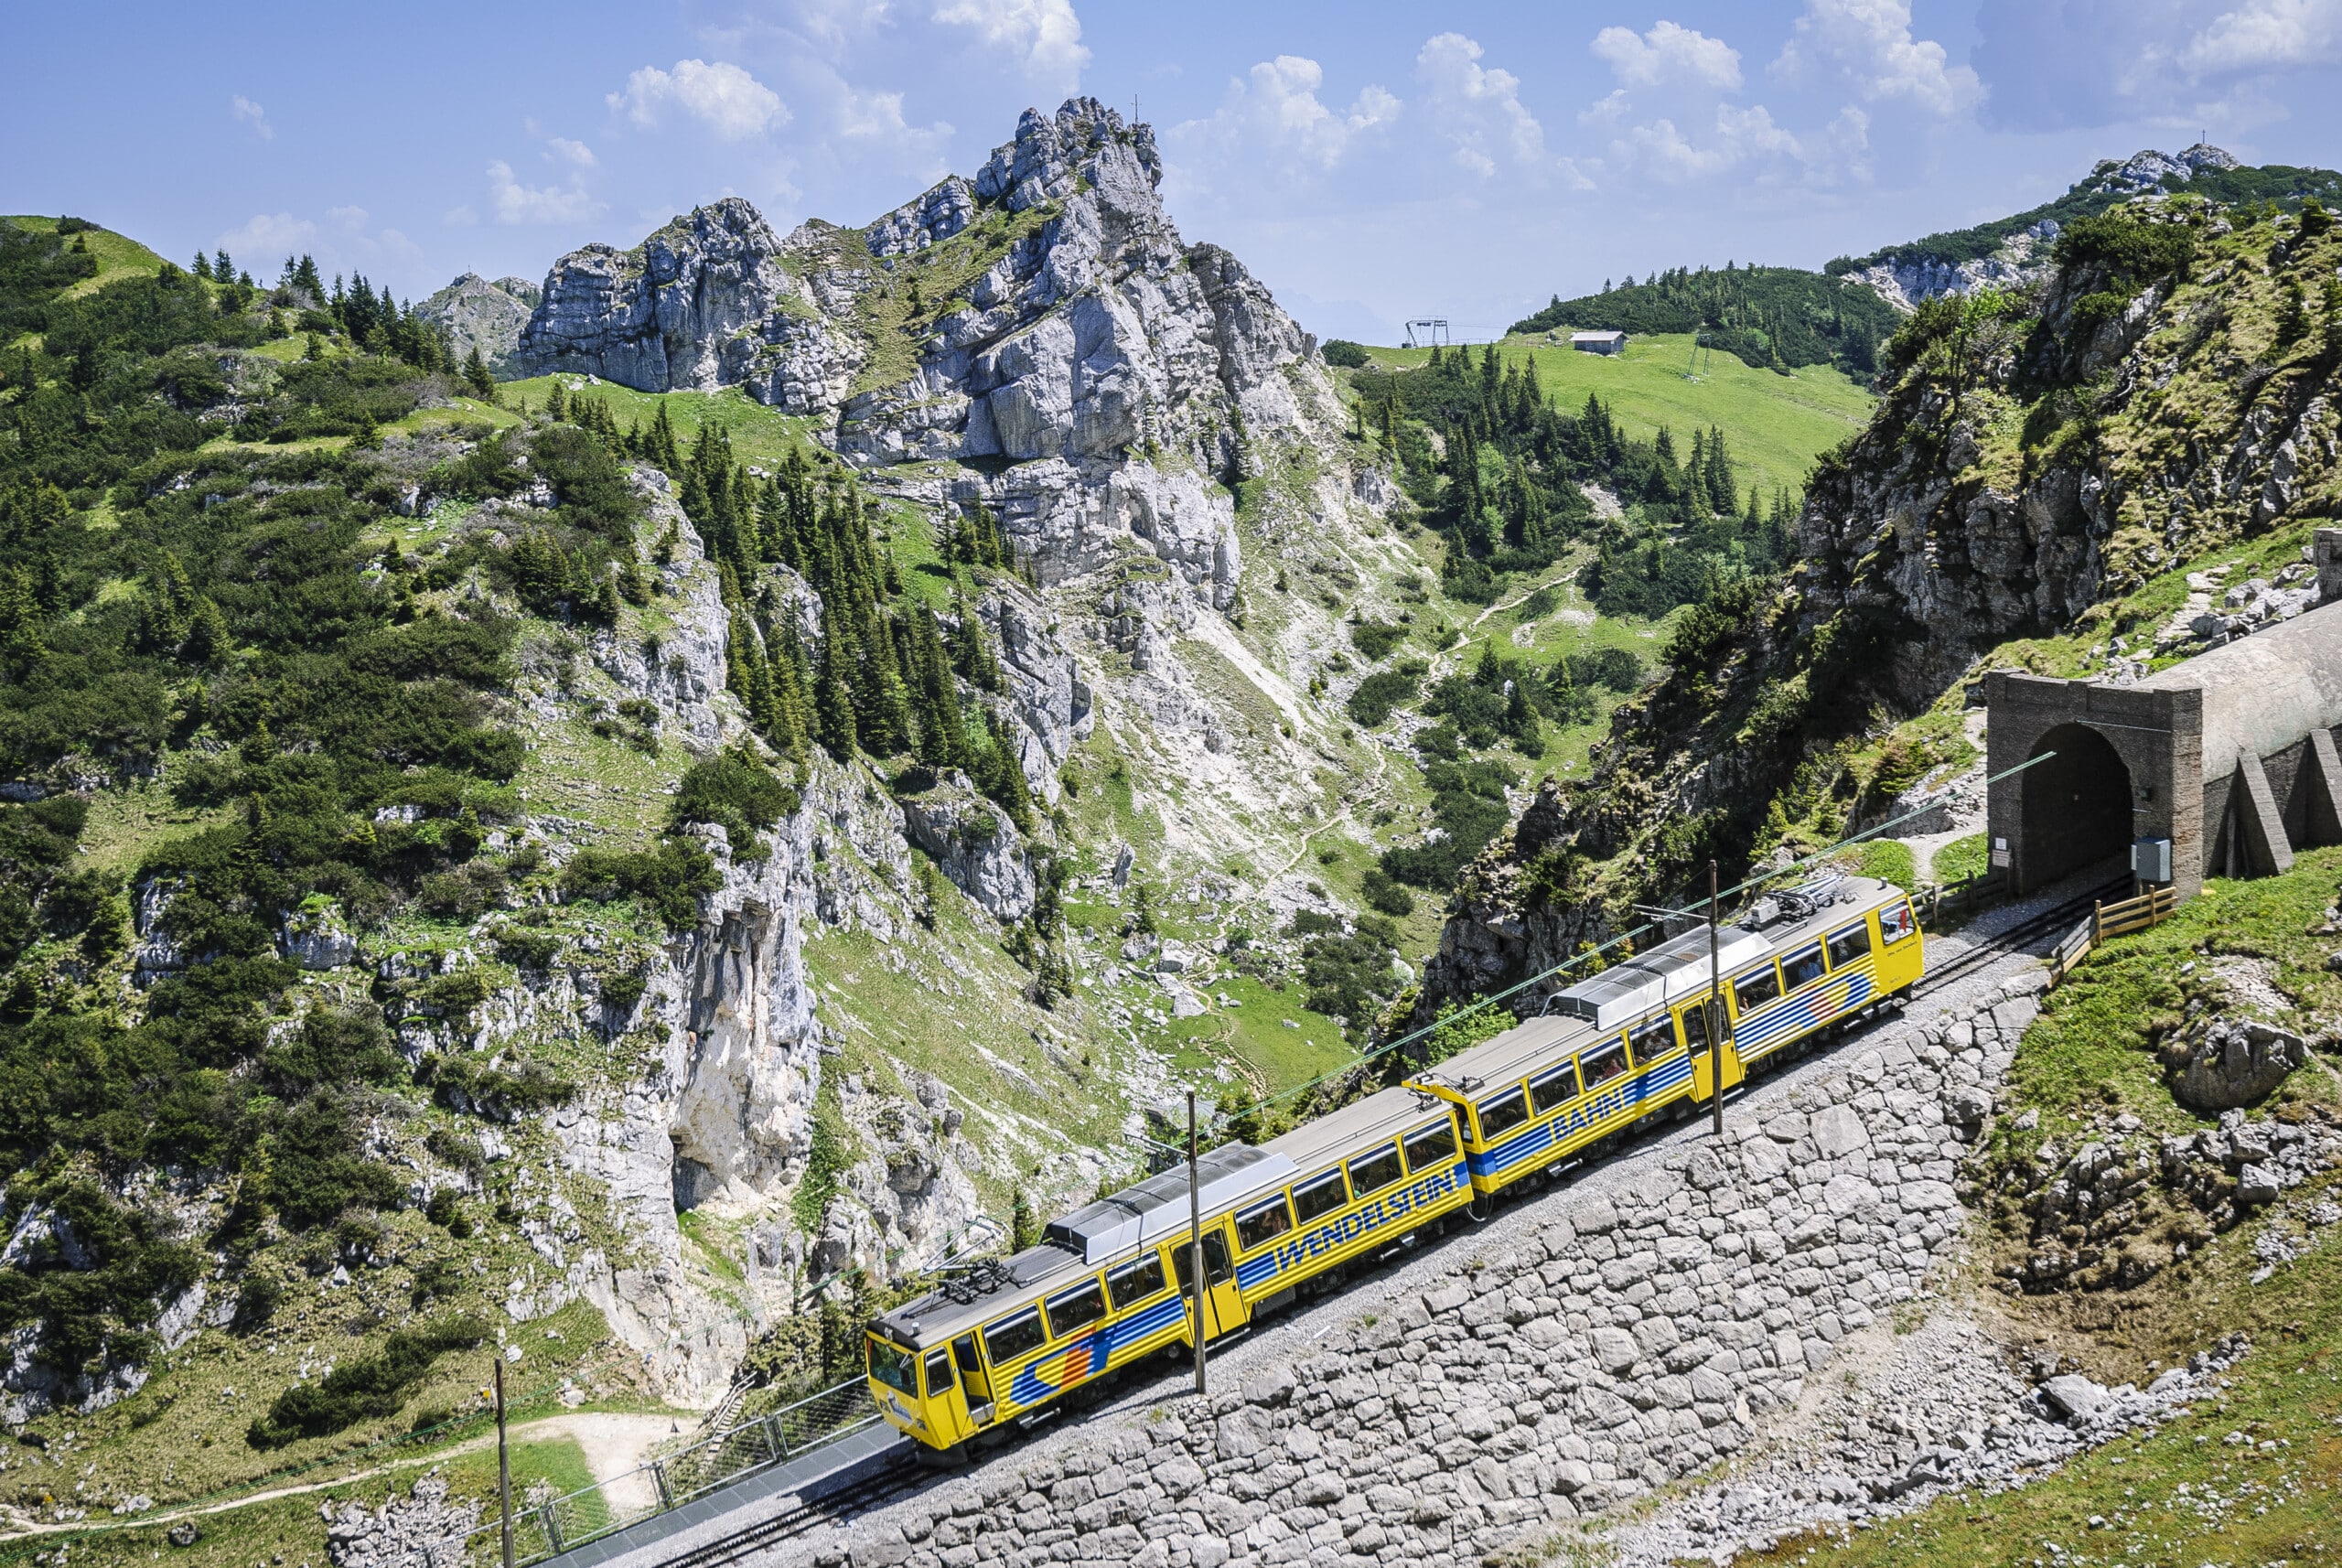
{"type": "Point", "coordinates": [202, 266]}
{"type": "Point", "coordinates": [557, 404]}
{"type": "Point", "coordinates": [476, 377]}
{"type": "Point", "coordinates": [833, 706]}
{"type": "Point", "coordinates": [663, 450]}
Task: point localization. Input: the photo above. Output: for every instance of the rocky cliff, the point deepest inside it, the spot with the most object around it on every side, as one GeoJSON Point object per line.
{"type": "Point", "coordinates": [476, 312]}
{"type": "Point", "coordinates": [2042, 467]}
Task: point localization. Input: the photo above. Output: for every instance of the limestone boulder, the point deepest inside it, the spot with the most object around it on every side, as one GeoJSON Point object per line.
{"type": "Point", "coordinates": [2226, 1062]}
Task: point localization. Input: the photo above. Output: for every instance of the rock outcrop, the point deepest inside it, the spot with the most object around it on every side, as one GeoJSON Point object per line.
{"type": "Point", "coordinates": [421, 1529]}
{"type": "Point", "coordinates": [489, 316]}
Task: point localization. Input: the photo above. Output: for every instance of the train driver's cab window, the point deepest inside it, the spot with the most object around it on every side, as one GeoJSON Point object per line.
{"type": "Point", "coordinates": [1076, 1309]}
{"type": "Point", "coordinates": [1896, 922]}
{"type": "Point", "coordinates": [1753, 989]}
{"type": "Point", "coordinates": [1604, 1063]}
{"type": "Point", "coordinates": [1652, 1041]}
{"type": "Point", "coordinates": [891, 1365]}
{"type": "Point", "coordinates": [1429, 1148]}
{"type": "Point", "coordinates": [1501, 1115]}
{"type": "Point", "coordinates": [1216, 1267]}
{"type": "Point", "coordinates": [1133, 1283]}
{"type": "Point", "coordinates": [939, 1373]}
{"type": "Point", "coordinates": [1558, 1086]}
{"type": "Point", "coordinates": [1014, 1336]}
{"type": "Point", "coordinates": [1259, 1227]}
{"type": "Point", "coordinates": [1802, 966]}
{"type": "Point", "coordinates": [1850, 944]}
{"type": "Point", "coordinates": [1372, 1172]}
{"type": "Point", "coordinates": [1320, 1195]}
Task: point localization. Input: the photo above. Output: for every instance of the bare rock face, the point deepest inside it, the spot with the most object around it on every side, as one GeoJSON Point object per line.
{"type": "Point", "coordinates": [421, 1530]}
{"type": "Point", "coordinates": [681, 310]}
{"type": "Point", "coordinates": [2221, 1063]}
{"type": "Point", "coordinates": [489, 316]}
{"type": "Point", "coordinates": [973, 844]}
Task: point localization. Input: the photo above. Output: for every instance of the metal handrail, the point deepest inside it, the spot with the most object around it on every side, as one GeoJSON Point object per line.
{"type": "Point", "coordinates": [555, 1525]}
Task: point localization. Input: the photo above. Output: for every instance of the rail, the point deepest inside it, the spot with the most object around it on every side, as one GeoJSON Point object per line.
{"type": "Point", "coordinates": [548, 1526]}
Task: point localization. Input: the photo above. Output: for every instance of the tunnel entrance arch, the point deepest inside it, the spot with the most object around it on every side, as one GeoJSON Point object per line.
{"type": "Point", "coordinates": [2077, 804]}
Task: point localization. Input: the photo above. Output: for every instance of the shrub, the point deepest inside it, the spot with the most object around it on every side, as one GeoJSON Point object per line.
{"type": "Point", "coordinates": [1370, 703]}
{"type": "Point", "coordinates": [366, 1389]}
{"type": "Point", "coordinates": [668, 879]}
{"type": "Point", "coordinates": [737, 792]}
{"type": "Point", "coordinates": [1374, 639]}
{"type": "Point", "coordinates": [1343, 354]}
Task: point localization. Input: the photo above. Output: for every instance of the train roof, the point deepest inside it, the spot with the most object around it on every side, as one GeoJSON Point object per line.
{"type": "Point", "coordinates": [1376, 1119]}
{"type": "Point", "coordinates": [1158, 1205]}
{"type": "Point", "coordinates": [1674, 969]}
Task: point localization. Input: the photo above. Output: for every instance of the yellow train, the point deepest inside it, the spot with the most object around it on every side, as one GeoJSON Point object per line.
{"type": "Point", "coordinates": [1112, 1283]}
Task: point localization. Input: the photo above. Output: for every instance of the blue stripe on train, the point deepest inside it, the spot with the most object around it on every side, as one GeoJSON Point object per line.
{"type": "Point", "coordinates": [1389, 1209]}
{"type": "Point", "coordinates": [1087, 1357]}
{"type": "Point", "coordinates": [1526, 1146]}
{"type": "Point", "coordinates": [1808, 1009]}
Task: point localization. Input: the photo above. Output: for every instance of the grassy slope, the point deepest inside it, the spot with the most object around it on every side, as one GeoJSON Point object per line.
{"type": "Point", "coordinates": [1775, 425]}
{"type": "Point", "coordinates": [118, 255]}
{"type": "Point", "coordinates": [2084, 1058]}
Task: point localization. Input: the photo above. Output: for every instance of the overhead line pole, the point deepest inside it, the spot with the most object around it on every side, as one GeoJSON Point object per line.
{"type": "Point", "coordinates": [1195, 1240]}
{"type": "Point", "coordinates": [1716, 1009]}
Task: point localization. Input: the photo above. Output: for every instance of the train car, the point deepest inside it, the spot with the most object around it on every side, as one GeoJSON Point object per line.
{"type": "Point", "coordinates": [1631, 1042]}
{"type": "Point", "coordinates": [1112, 1283]}
{"type": "Point", "coordinates": [995, 1345]}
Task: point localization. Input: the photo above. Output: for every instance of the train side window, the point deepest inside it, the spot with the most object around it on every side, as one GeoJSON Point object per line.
{"type": "Point", "coordinates": [1603, 1063]}
{"type": "Point", "coordinates": [1258, 1227]}
{"type": "Point", "coordinates": [1896, 922]}
{"type": "Point", "coordinates": [1372, 1172]}
{"type": "Point", "coordinates": [1502, 1113]}
{"type": "Point", "coordinates": [1652, 1041]}
{"type": "Point", "coordinates": [1755, 988]}
{"type": "Point", "coordinates": [1558, 1086]}
{"type": "Point", "coordinates": [1014, 1337]}
{"type": "Point", "coordinates": [939, 1373]}
{"type": "Point", "coordinates": [964, 1351]}
{"type": "Point", "coordinates": [1801, 967]}
{"type": "Point", "coordinates": [1695, 1024]}
{"type": "Point", "coordinates": [1850, 944]}
{"type": "Point", "coordinates": [1216, 1267]}
{"type": "Point", "coordinates": [1429, 1148]}
{"type": "Point", "coordinates": [1133, 1283]}
{"type": "Point", "coordinates": [1321, 1196]}
{"type": "Point", "coordinates": [1072, 1311]}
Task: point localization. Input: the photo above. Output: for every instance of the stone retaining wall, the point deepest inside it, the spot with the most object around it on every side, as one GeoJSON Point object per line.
{"type": "Point", "coordinates": [1627, 1341]}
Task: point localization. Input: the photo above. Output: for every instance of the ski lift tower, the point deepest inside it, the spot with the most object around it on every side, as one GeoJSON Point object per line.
{"type": "Point", "coordinates": [1428, 332]}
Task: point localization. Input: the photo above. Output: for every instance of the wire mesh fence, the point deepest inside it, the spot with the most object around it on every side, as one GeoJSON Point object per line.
{"type": "Point", "coordinates": [545, 1527]}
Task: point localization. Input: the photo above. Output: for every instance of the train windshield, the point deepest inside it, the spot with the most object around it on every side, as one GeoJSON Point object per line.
{"type": "Point", "coordinates": [892, 1365]}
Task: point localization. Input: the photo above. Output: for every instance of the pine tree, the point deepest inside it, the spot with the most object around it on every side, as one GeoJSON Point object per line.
{"type": "Point", "coordinates": [833, 706]}
{"type": "Point", "coordinates": [663, 450]}
{"type": "Point", "coordinates": [476, 376]}
{"type": "Point", "coordinates": [1023, 1229]}
{"type": "Point", "coordinates": [557, 407]}
{"type": "Point", "coordinates": [202, 266]}
{"type": "Point", "coordinates": [222, 268]}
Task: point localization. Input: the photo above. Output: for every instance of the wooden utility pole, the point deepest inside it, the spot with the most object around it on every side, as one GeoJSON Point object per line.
{"type": "Point", "coordinates": [503, 1471]}
{"type": "Point", "coordinates": [1715, 1011]}
{"type": "Point", "coordinates": [1195, 1242]}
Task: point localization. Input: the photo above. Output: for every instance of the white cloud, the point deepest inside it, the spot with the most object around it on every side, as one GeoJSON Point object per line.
{"type": "Point", "coordinates": [1475, 109]}
{"type": "Point", "coordinates": [1043, 36]}
{"type": "Point", "coordinates": [513, 202]}
{"type": "Point", "coordinates": [1668, 53]}
{"type": "Point", "coordinates": [346, 217]}
{"type": "Point", "coordinates": [268, 234]}
{"type": "Point", "coordinates": [1276, 111]}
{"type": "Point", "coordinates": [1867, 44]}
{"type": "Point", "coordinates": [245, 111]}
{"type": "Point", "coordinates": [578, 155]}
{"type": "Point", "coordinates": [2266, 35]}
{"type": "Point", "coordinates": [728, 100]}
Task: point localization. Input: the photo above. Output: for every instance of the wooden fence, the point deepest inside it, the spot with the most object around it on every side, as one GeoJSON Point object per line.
{"type": "Point", "coordinates": [1939, 899]}
{"type": "Point", "coordinates": [2152, 907]}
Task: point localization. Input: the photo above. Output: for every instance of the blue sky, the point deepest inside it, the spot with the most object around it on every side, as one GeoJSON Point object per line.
{"type": "Point", "coordinates": [1371, 162]}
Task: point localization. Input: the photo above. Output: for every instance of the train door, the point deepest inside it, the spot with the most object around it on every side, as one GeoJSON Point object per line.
{"type": "Point", "coordinates": [948, 1420]}
{"type": "Point", "coordinates": [1704, 1062]}
{"type": "Point", "coordinates": [1223, 1307]}
{"type": "Point", "coordinates": [975, 1380]}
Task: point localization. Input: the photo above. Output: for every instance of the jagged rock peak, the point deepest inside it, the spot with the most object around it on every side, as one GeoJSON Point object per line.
{"type": "Point", "coordinates": [2147, 169]}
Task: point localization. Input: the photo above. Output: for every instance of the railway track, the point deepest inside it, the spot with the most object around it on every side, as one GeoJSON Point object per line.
{"type": "Point", "coordinates": [2052, 921]}
{"type": "Point", "coordinates": [832, 1507]}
